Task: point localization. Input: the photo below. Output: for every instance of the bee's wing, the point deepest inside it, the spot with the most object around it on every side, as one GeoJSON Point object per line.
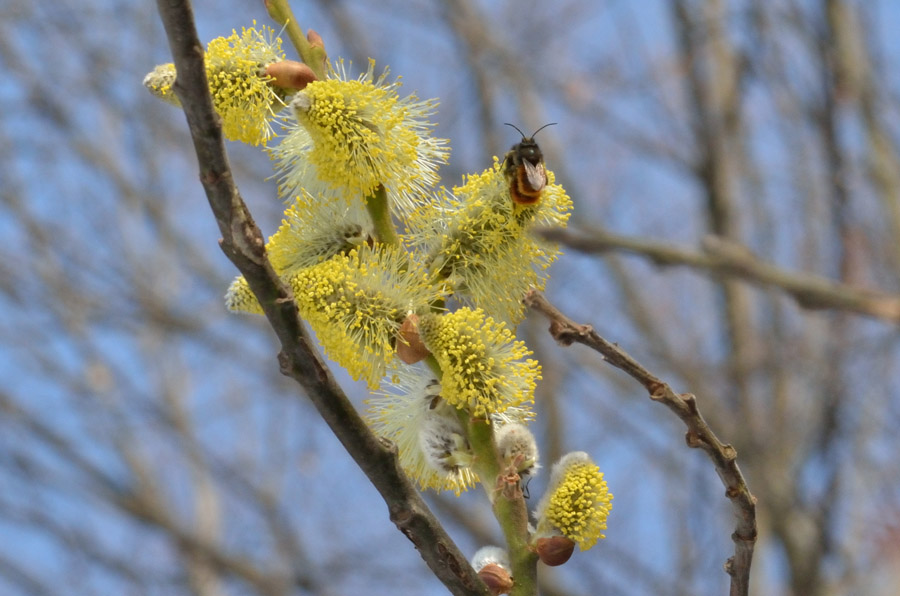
{"type": "Point", "coordinates": [537, 178]}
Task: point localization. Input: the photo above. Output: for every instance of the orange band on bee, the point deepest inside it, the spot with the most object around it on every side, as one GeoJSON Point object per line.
{"type": "Point", "coordinates": [523, 199]}
{"type": "Point", "coordinates": [522, 191]}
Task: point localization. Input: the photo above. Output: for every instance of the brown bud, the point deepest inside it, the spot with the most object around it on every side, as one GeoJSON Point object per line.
{"type": "Point", "coordinates": [555, 550]}
{"type": "Point", "coordinates": [315, 40]}
{"type": "Point", "coordinates": [496, 578]}
{"type": "Point", "coordinates": [290, 74]}
{"type": "Point", "coordinates": [410, 348]}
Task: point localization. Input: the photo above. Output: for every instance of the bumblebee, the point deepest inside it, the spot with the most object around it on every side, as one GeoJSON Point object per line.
{"type": "Point", "coordinates": [524, 169]}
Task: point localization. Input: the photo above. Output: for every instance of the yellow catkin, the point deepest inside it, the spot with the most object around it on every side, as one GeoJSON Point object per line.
{"type": "Point", "coordinates": [240, 90]}
{"type": "Point", "coordinates": [484, 367]}
{"type": "Point", "coordinates": [578, 502]}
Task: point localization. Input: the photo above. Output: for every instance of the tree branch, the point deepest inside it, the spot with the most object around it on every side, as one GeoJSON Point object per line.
{"type": "Point", "coordinates": [244, 245]}
{"type": "Point", "coordinates": [722, 257]}
{"type": "Point", "coordinates": [699, 435]}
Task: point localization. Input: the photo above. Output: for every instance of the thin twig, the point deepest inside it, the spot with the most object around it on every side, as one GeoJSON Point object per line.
{"type": "Point", "coordinates": [699, 435]}
{"type": "Point", "coordinates": [243, 243]}
{"type": "Point", "coordinates": [722, 257]}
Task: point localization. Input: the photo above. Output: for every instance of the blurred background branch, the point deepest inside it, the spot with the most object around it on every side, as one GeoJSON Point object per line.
{"type": "Point", "coordinates": [719, 256]}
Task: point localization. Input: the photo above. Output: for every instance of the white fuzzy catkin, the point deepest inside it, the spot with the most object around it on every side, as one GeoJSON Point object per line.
{"type": "Point", "coordinates": [487, 555]}
{"type": "Point", "coordinates": [442, 441]}
{"type": "Point", "coordinates": [517, 446]}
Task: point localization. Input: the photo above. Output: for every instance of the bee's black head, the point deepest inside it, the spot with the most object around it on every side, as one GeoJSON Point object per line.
{"type": "Point", "coordinates": [529, 150]}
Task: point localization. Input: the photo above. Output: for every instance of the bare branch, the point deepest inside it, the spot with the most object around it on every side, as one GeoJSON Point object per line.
{"type": "Point", "coordinates": [243, 243]}
{"type": "Point", "coordinates": [699, 435]}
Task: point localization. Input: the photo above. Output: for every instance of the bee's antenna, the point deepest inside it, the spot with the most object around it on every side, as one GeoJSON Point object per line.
{"type": "Point", "coordinates": [517, 128]}
{"type": "Point", "coordinates": [541, 128]}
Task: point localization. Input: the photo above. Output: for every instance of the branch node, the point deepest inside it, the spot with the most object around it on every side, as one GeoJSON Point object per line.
{"type": "Point", "coordinates": [284, 363]}
{"type": "Point", "coordinates": [561, 333]}
{"type": "Point", "coordinates": [657, 390]}
{"type": "Point", "coordinates": [401, 516]}
{"type": "Point", "coordinates": [388, 445]}
{"type": "Point", "coordinates": [729, 566]}
{"type": "Point", "coordinates": [691, 401]}
{"type": "Point", "coordinates": [693, 440]}
{"type": "Point", "coordinates": [729, 453]}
